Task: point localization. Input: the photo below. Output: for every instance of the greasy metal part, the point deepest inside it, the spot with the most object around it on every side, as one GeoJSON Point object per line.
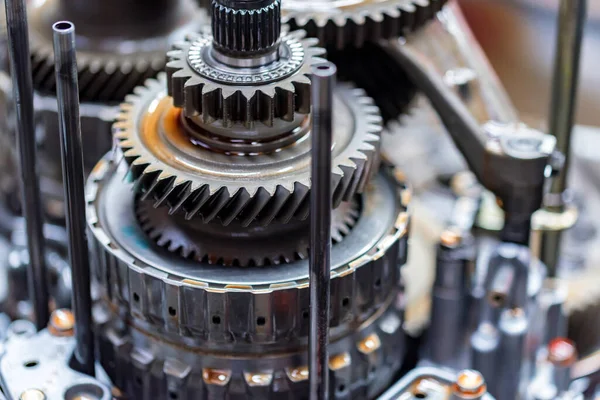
{"type": "Point", "coordinates": [215, 92]}
{"type": "Point", "coordinates": [230, 308]}
{"type": "Point", "coordinates": [201, 182]}
{"type": "Point", "coordinates": [513, 327]}
{"type": "Point", "coordinates": [20, 65]}
{"type": "Point", "coordinates": [40, 362]}
{"type": "Point", "coordinates": [552, 300]}
{"type": "Point", "coordinates": [449, 298]}
{"type": "Point", "coordinates": [212, 242]}
{"type": "Point", "coordinates": [340, 24]}
{"type": "Point", "coordinates": [323, 85]}
{"type": "Point", "coordinates": [571, 24]}
{"type": "Point", "coordinates": [509, 160]}
{"type": "Point", "coordinates": [438, 383]}
{"type": "Point", "coordinates": [146, 365]}
{"type": "Point", "coordinates": [73, 177]}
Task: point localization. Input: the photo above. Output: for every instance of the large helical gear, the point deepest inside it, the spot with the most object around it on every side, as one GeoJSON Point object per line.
{"type": "Point", "coordinates": [215, 92]}
{"type": "Point", "coordinates": [212, 243]}
{"type": "Point", "coordinates": [106, 72]}
{"type": "Point", "coordinates": [341, 24]}
{"type": "Point", "coordinates": [190, 177]}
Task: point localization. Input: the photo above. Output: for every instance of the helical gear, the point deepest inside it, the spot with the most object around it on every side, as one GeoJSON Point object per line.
{"type": "Point", "coordinates": [254, 245]}
{"type": "Point", "coordinates": [357, 22]}
{"type": "Point", "coordinates": [214, 92]}
{"type": "Point", "coordinates": [263, 186]}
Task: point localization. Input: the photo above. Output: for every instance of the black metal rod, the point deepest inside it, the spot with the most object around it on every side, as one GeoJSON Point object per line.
{"type": "Point", "coordinates": [20, 66]}
{"type": "Point", "coordinates": [571, 23]}
{"type": "Point", "coordinates": [323, 83]}
{"type": "Point", "coordinates": [65, 65]}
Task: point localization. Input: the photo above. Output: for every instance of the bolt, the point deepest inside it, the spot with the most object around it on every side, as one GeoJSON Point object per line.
{"type": "Point", "coordinates": [450, 238]}
{"type": "Point", "coordinates": [62, 323]}
{"type": "Point", "coordinates": [562, 352]}
{"type": "Point", "coordinates": [32, 394]}
{"type": "Point", "coordinates": [469, 385]}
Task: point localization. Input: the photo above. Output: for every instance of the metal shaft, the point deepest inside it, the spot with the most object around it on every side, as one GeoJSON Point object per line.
{"type": "Point", "coordinates": [323, 83]}
{"type": "Point", "coordinates": [571, 22]}
{"type": "Point", "coordinates": [20, 65]}
{"type": "Point", "coordinates": [73, 178]}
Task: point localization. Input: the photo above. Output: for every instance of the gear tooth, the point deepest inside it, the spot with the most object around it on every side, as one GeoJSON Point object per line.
{"type": "Point", "coordinates": [289, 209]}
{"type": "Point", "coordinates": [219, 200]}
{"type": "Point", "coordinates": [258, 203]}
{"type": "Point", "coordinates": [200, 197]}
{"type": "Point", "coordinates": [277, 201]}
{"type": "Point", "coordinates": [235, 205]}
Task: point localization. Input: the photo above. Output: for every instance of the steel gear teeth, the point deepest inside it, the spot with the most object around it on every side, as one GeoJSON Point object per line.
{"type": "Point", "coordinates": [365, 21]}
{"type": "Point", "coordinates": [205, 91]}
{"type": "Point", "coordinates": [184, 297]}
{"type": "Point", "coordinates": [253, 245]}
{"type": "Point", "coordinates": [104, 77]}
{"type": "Point", "coordinates": [280, 195]}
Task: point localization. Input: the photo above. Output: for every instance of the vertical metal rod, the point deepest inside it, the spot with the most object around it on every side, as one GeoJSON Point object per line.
{"type": "Point", "coordinates": [20, 66]}
{"type": "Point", "coordinates": [65, 65]}
{"type": "Point", "coordinates": [323, 83]}
{"type": "Point", "coordinates": [571, 23]}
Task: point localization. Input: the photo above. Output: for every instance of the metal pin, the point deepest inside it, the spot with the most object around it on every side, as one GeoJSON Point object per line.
{"type": "Point", "coordinates": [323, 83]}
{"type": "Point", "coordinates": [571, 23]}
{"type": "Point", "coordinates": [65, 64]}
{"type": "Point", "coordinates": [20, 66]}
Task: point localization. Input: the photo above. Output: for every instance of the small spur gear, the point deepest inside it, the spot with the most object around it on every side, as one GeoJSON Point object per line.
{"type": "Point", "coordinates": [341, 23]}
{"type": "Point", "coordinates": [173, 166]}
{"type": "Point", "coordinates": [236, 245]}
{"type": "Point", "coordinates": [204, 87]}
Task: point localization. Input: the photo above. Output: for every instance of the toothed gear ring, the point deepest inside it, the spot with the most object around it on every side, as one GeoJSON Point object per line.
{"type": "Point", "coordinates": [176, 163]}
{"type": "Point", "coordinates": [214, 91]}
{"type": "Point", "coordinates": [342, 23]}
{"type": "Point", "coordinates": [254, 245]}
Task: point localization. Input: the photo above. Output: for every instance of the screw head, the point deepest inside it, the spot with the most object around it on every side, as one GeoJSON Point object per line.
{"type": "Point", "coordinates": [32, 394]}
{"type": "Point", "coordinates": [62, 323]}
{"type": "Point", "coordinates": [562, 352]}
{"type": "Point", "coordinates": [469, 384]}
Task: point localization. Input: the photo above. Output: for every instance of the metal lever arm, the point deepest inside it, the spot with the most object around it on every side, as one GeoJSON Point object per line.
{"type": "Point", "coordinates": [508, 160]}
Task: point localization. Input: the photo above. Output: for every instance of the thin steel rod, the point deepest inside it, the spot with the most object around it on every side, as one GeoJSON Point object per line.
{"type": "Point", "coordinates": [571, 23]}
{"type": "Point", "coordinates": [323, 83]}
{"type": "Point", "coordinates": [20, 66]}
{"type": "Point", "coordinates": [67, 87]}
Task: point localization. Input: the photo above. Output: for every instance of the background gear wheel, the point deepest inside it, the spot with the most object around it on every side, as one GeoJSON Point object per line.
{"type": "Point", "coordinates": [236, 245]}
{"type": "Point", "coordinates": [353, 23]}
{"type": "Point", "coordinates": [213, 91]}
{"type": "Point", "coordinates": [107, 72]}
{"type": "Point", "coordinates": [187, 177]}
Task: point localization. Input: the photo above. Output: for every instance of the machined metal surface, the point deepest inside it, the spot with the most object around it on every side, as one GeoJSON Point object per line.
{"type": "Point", "coordinates": [145, 365]}
{"type": "Point", "coordinates": [179, 173]}
{"type": "Point", "coordinates": [212, 243]}
{"type": "Point", "coordinates": [220, 306]}
{"type": "Point", "coordinates": [67, 89]}
{"type": "Point", "coordinates": [214, 91]}
{"type": "Point", "coordinates": [20, 66]}
{"type": "Point", "coordinates": [39, 362]}
{"type": "Point", "coordinates": [342, 23]}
